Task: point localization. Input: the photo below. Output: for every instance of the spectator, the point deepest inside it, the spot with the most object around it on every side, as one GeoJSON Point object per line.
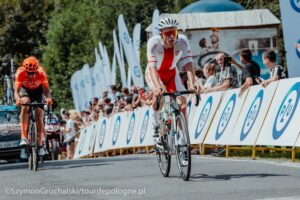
{"type": "Point", "coordinates": [128, 103]}
{"type": "Point", "coordinates": [124, 91]}
{"type": "Point", "coordinates": [104, 94]}
{"type": "Point", "coordinates": [250, 70]}
{"type": "Point", "coordinates": [209, 73]}
{"type": "Point", "coordinates": [203, 46]}
{"type": "Point", "coordinates": [225, 79]}
{"type": "Point", "coordinates": [277, 71]}
{"type": "Point", "coordinates": [70, 133]}
{"type": "Point", "coordinates": [112, 94]}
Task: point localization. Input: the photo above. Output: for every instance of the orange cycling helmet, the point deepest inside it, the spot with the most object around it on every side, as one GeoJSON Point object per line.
{"type": "Point", "coordinates": [31, 64]}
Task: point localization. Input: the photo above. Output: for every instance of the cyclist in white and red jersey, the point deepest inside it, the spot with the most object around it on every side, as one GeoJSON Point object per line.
{"type": "Point", "coordinates": [163, 53]}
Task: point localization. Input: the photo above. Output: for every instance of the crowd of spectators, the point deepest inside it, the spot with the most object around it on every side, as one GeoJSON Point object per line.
{"type": "Point", "coordinates": [218, 75]}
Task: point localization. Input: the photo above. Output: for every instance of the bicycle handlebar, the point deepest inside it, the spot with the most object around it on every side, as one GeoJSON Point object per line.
{"type": "Point", "coordinates": [179, 93]}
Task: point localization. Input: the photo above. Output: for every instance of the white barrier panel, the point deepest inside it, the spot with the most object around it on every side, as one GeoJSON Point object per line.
{"type": "Point", "coordinates": [101, 134]}
{"type": "Point", "coordinates": [81, 142]}
{"type": "Point", "coordinates": [145, 128]}
{"type": "Point", "coordinates": [117, 131]}
{"type": "Point", "coordinates": [226, 117]}
{"type": "Point", "coordinates": [90, 140]}
{"type": "Point", "coordinates": [252, 115]}
{"type": "Point", "coordinates": [131, 128]}
{"type": "Point", "coordinates": [190, 109]}
{"type": "Point", "coordinates": [282, 126]}
{"type": "Point", "coordinates": [203, 115]}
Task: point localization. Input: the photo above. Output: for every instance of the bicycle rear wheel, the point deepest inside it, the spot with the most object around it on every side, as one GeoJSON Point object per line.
{"type": "Point", "coordinates": [183, 149]}
{"type": "Point", "coordinates": [30, 160]}
{"type": "Point", "coordinates": [164, 156]}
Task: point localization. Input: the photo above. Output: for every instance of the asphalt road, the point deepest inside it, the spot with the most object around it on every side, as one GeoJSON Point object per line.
{"type": "Point", "coordinates": [138, 177]}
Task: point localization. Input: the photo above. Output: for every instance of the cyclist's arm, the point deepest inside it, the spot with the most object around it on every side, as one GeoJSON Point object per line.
{"type": "Point", "coordinates": [45, 85]}
{"type": "Point", "coordinates": [191, 74]}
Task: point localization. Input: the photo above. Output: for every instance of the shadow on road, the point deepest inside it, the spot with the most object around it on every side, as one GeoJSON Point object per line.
{"type": "Point", "coordinates": [231, 176]}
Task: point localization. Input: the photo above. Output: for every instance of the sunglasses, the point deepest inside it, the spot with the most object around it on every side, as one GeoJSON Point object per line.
{"type": "Point", "coordinates": [169, 33]}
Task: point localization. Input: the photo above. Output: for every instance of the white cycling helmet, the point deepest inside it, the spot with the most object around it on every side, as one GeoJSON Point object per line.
{"type": "Point", "coordinates": [167, 22]}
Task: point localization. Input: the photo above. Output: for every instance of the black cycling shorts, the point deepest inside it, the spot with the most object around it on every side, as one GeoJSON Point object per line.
{"type": "Point", "coordinates": [36, 95]}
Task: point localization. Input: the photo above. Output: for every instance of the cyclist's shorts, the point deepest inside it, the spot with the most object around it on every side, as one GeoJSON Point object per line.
{"type": "Point", "coordinates": [172, 81]}
{"type": "Point", "coordinates": [34, 95]}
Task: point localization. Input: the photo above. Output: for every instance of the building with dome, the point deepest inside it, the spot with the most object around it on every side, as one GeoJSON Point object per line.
{"type": "Point", "coordinates": [214, 26]}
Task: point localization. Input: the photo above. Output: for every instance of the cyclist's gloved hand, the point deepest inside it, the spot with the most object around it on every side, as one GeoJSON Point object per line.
{"type": "Point", "coordinates": [49, 101]}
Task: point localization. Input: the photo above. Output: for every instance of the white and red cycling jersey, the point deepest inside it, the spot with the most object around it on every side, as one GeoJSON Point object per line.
{"type": "Point", "coordinates": [165, 61]}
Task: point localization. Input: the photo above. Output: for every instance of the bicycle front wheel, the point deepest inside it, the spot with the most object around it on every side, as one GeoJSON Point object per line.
{"type": "Point", "coordinates": [163, 154]}
{"type": "Point", "coordinates": [183, 149]}
{"type": "Point", "coordinates": [35, 148]}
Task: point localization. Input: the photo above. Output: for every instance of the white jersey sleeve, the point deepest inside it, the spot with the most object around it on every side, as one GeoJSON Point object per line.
{"type": "Point", "coordinates": [186, 56]}
{"type": "Point", "coordinates": [152, 46]}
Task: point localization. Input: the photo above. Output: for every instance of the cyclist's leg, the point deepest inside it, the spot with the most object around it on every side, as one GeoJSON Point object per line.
{"type": "Point", "coordinates": [37, 95]}
{"type": "Point", "coordinates": [24, 114]}
{"type": "Point", "coordinates": [40, 124]}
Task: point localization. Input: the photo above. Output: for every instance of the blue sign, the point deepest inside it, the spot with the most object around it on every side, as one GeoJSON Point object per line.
{"type": "Point", "coordinates": [137, 71]}
{"type": "Point", "coordinates": [83, 136]}
{"type": "Point", "coordinates": [144, 127]}
{"type": "Point", "coordinates": [252, 115]}
{"type": "Point", "coordinates": [286, 110]}
{"type": "Point", "coordinates": [225, 117]}
{"type": "Point", "coordinates": [126, 38]}
{"type": "Point", "coordinates": [91, 141]}
{"type": "Point", "coordinates": [116, 130]}
{"type": "Point", "coordinates": [102, 133]}
{"type": "Point", "coordinates": [203, 116]}
{"type": "Point", "coordinates": [130, 128]}
{"type": "Point", "coordinates": [298, 49]}
{"type": "Point", "coordinates": [295, 5]}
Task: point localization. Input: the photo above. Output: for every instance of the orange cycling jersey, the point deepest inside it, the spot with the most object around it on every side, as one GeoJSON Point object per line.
{"type": "Point", "coordinates": [31, 82]}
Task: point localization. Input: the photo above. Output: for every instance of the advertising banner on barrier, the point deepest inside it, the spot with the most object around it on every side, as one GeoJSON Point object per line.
{"type": "Point", "coordinates": [203, 116]}
{"type": "Point", "coordinates": [90, 140]}
{"type": "Point", "coordinates": [190, 109]}
{"type": "Point", "coordinates": [282, 127]}
{"type": "Point", "coordinates": [101, 135]}
{"type": "Point", "coordinates": [80, 145]}
{"type": "Point", "coordinates": [253, 114]}
{"type": "Point", "coordinates": [117, 131]}
{"type": "Point", "coordinates": [145, 128]}
{"type": "Point", "coordinates": [131, 128]}
{"type": "Point", "coordinates": [226, 117]}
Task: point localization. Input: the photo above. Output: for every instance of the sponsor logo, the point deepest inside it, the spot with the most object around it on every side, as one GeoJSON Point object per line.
{"type": "Point", "coordinates": [91, 139]}
{"type": "Point", "coordinates": [203, 116]}
{"type": "Point", "coordinates": [252, 115]}
{"type": "Point", "coordinates": [116, 130]}
{"type": "Point", "coordinates": [298, 48]}
{"type": "Point", "coordinates": [126, 38]}
{"type": "Point", "coordinates": [144, 127]}
{"type": "Point", "coordinates": [295, 5]}
{"type": "Point", "coordinates": [225, 117]}
{"type": "Point", "coordinates": [189, 107]}
{"type": "Point", "coordinates": [286, 110]}
{"type": "Point", "coordinates": [87, 79]}
{"type": "Point", "coordinates": [93, 81]}
{"type": "Point", "coordinates": [102, 133]}
{"type": "Point", "coordinates": [137, 71]}
{"type": "Point", "coordinates": [130, 128]}
{"type": "Point", "coordinates": [82, 84]}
